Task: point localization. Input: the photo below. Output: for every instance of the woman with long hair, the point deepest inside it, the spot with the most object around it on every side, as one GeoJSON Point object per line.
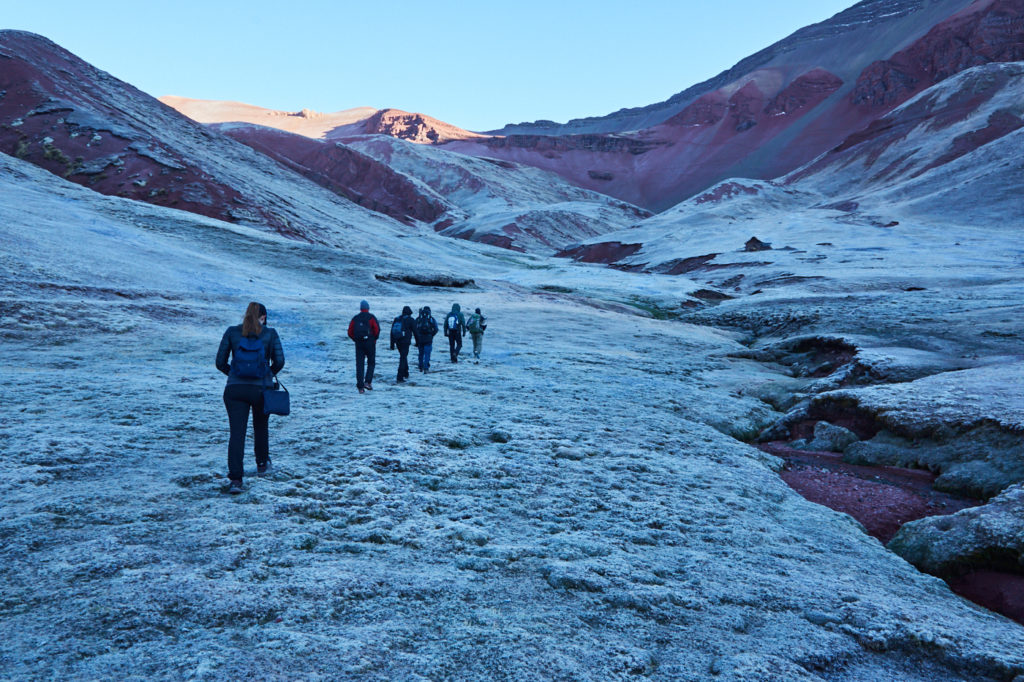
{"type": "Point", "coordinates": [252, 346]}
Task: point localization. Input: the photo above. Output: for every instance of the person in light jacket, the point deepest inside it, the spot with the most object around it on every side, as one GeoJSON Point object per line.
{"type": "Point", "coordinates": [477, 324]}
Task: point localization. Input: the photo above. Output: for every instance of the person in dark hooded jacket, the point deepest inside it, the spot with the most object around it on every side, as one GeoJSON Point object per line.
{"type": "Point", "coordinates": [455, 329]}
{"type": "Point", "coordinates": [424, 332]}
{"type": "Point", "coordinates": [401, 337]}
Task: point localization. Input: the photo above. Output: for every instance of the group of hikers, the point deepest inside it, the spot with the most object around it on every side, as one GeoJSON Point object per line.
{"type": "Point", "coordinates": [364, 330]}
{"type": "Point", "coordinates": [251, 355]}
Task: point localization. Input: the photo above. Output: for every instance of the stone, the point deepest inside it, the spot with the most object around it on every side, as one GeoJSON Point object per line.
{"type": "Point", "coordinates": [831, 438]}
{"type": "Point", "coordinates": [755, 244]}
{"type": "Point", "coordinates": [979, 537]}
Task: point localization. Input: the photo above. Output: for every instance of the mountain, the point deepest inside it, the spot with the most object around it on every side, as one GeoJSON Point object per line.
{"type": "Point", "coordinates": [776, 110]}
{"type": "Point", "coordinates": [306, 122]}
{"type": "Point", "coordinates": [950, 148]}
{"type": "Point", "coordinates": [379, 162]}
{"type": "Point", "coordinates": [948, 157]}
{"type": "Point", "coordinates": [361, 121]}
{"type": "Point", "coordinates": [343, 170]}
{"type": "Point", "coordinates": [514, 206]}
{"type": "Point", "coordinates": [80, 123]}
{"type": "Point", "coordinates": [765, 117]}
{"type": "Point", "coordinates": [843, 45]}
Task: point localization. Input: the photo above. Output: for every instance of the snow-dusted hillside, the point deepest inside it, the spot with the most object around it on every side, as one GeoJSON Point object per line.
{"type": "Point", "coordinates": [777, 109]}
{"type": "Point", "coordinates": [954, 145]}
{"type": "Point", "coordinates": [575, 506]}
{"type": "Point", "coordinates": [495, 202]}
{"type": "Point", "coordinates": [501, 203]}
{"type": "Point", "coordinates": [81, 123]}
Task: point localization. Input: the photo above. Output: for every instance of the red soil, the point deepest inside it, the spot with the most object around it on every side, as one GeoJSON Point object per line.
{"type": "Point", "coordinates": [881, 498]}
{"type": "Point", "coordinates": [884, 498]}
{"type": "Point", "coordinates": [1000, 592]}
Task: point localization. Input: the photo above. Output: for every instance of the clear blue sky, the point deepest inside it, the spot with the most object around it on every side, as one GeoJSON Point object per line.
{"type": "Point", "coordinates": [473, 64]}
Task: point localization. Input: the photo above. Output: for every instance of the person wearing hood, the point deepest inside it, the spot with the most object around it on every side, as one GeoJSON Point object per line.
{"type": "Point", "coordinates": [401, 337]}
{"type": "Point", "coordinates": [424, 332]}
{"type": "Point", "coordinates": [455, 329]}
{"type": "Point", "coordinates": [364, 330]}
{"type": "Point", "coordinates": [476, 324]}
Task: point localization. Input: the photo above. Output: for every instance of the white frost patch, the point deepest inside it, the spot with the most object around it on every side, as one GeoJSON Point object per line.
{"type": "Point", "coordinates": [963, 398]}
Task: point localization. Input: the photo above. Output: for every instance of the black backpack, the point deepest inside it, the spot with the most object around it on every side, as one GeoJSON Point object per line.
{"type": "Point", "coordinates": [424, 328]}
{"type": "Point", "coordinates": [361, 327]}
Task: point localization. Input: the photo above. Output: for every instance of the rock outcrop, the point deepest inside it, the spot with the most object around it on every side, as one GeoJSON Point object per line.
{"type": "Point", "coordinates": [990, 536]}
{"type": "Point", "coordinates": [413, 127]}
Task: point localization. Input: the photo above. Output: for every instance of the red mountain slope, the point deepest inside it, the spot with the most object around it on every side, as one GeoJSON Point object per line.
{"type": "Point", "coordinates": [82, 124]}
{"type": "Point", "coordinates": [779, 109]}
{"type": "Point", "coordinates": [343, 170]}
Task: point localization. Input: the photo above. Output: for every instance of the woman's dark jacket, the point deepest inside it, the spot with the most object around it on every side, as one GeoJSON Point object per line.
{"type": "Point", "coordinates": [271, 346]}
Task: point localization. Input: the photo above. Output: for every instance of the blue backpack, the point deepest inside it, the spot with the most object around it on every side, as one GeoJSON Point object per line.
{"type": "Point", "coordinates": [249, 360]}
{"type": "Point", "coordinates": [400, 331]}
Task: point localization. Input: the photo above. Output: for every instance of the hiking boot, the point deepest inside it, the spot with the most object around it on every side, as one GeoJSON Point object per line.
{"type": "Point", "coordinates": [369, 387]}
{"type": "Point", "coordinates": [362, 390]}
{"type": "Point", "coordinates": [235, 488]}
{"type": "Point", "coordinates": [264, 469]}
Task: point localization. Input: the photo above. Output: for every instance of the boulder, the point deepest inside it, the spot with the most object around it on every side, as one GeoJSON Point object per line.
{"type": "Point", "coordinates": [755, 244]}
{"type": "Point", "coordinates": [830, 438]}
{"type": "Point", "coordinates": [990, 536]}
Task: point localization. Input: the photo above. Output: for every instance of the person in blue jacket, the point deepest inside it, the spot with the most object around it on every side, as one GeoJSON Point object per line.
{"type": "Point", "coordinates": [255, 354]}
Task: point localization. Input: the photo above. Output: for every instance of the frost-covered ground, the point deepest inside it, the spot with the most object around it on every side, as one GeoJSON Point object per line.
{"type": "Point", "coordinates": [572, 507]}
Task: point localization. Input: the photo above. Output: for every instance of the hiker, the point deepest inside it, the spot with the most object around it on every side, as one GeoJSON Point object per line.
{"type": "Point", "coordinates": [424, 332]}
{"type": "Point", "coordinates": [476, 324]}
{"type": "Point", "coordinates": [401, 337]}
{"type": "Point", "coordinates": [364, 330]}
{"type": "Point", "coordinates": [251, 345]}
{"type": "Point", "coordinates": [455, 329]}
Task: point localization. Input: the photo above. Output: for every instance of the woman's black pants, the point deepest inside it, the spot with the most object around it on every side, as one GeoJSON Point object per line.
{"type": "Point", "coordinates": [239, 399]}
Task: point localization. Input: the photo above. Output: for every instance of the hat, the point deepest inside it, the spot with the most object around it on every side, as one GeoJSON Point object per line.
{"type": "Point", "coordinates": [477, 311]}
{"type": "Point", "coordinates": [407, 310]}
{"type": "Point", "coordinates": [363, 305]}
